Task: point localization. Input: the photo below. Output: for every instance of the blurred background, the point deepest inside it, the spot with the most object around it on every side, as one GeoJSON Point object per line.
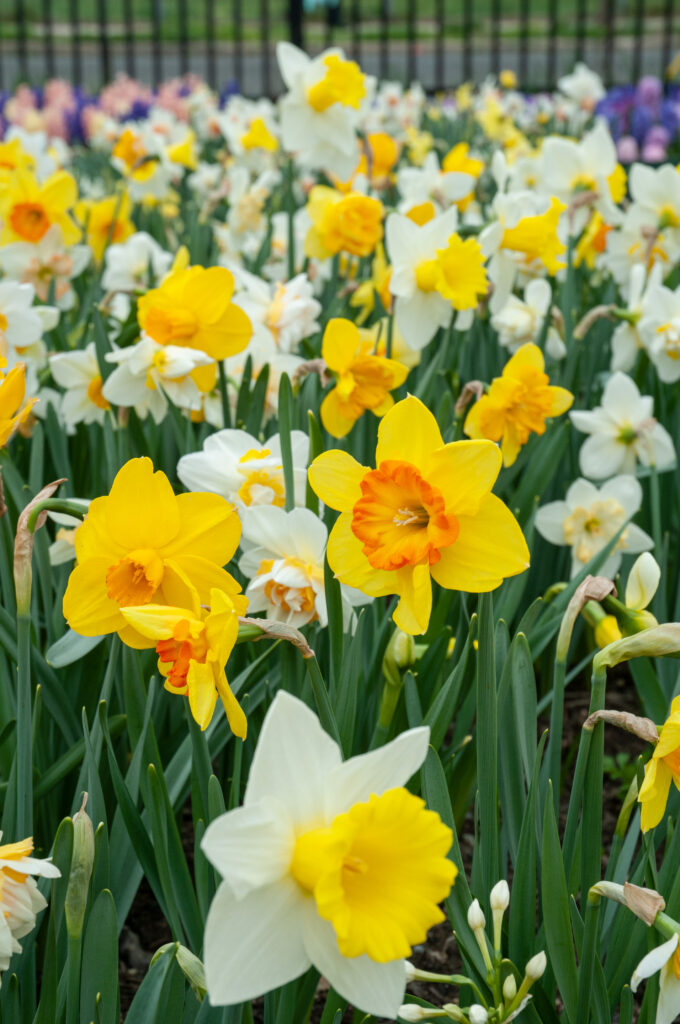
{"type": "Point", "coordinates": [232, 42]}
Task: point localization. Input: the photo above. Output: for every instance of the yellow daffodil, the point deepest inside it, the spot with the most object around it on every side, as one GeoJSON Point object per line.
{"type": "Point", "coordinates": [14, 410]}
{"type": "Point", "coordinates": [363, 298]}
{"type": "Point", "coordinates": [141, 544]}
{"type": "Point", "coordinates": [13, 157]}
{"type": "Point", "coordinates": [383, 153]}
{"type": "Point", "coordinates": [363, 380]}
{"type": "Point", "coordinates": [105, 221]}
{"type": "Point", "coordinates": [592, 242]}
{"type": "Point", "coordinates": [343, 82]}
{"type": "Point", "coordinates": [426, 511]}
{"type": "Point", "coordinates": [192, 308]}
{"type": "Point", "coordinates": [342, 223]}
{"type": "Point", "coordinates": [28, 209]}
{"type": "Point", "coordinates": [193, 646]}
{"type": "Point", "coordinates": [183, 152]}
{"type": "Point", "coordinates": [459, 271]}
{"type": "Point", "coordinates": [662, 769]}
{"type": "Point", "coordinates": [536, 237]}
{"type": "Point", "coordinates": [458, 159]}
{"type": "Point", "coordinates": [517, 404]}
{"type": "Point", "coordinates": [131, 157]}
{"type": "Point", "coordinates": [258, 136]}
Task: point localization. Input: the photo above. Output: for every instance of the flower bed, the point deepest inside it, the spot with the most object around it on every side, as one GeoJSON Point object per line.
{"type": "Point", "coordinates": [339, 439]}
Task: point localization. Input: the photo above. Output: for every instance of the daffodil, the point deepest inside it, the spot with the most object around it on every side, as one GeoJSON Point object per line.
{"type": "Point", "coordinates": [425, 512]}
{"type": "Point", "coordinates": [105, 221]}
{"type": "Point", "coordinates": [259, 136]}
{"type": "Point", "coordinates": [662, 769]}
{"type": "Point", "coordinates": [14, 408]}
{"type": "Point", "coordinates": [350, 223]}
{"type": "Point", "coordinates": [78, 372]}
{"type": "Point", "coordinates": [28, 208]}
{"type": "Point", "coordinates": [517, 404]}
{"type": "Point", "coordinates": [20, 899]}
{"type": "Point", "coordinates": [362, 380]}
{"type": "Point", "coordinates": [193, 646]}
{"type": "Point", "coordinates": [331, 864]}
{"type": "Point", "coordinates": [140, 545]}
{"type": "Point", "coordinates": [666, 959]}
{"type": "Point", "coordinates": [192, 308]}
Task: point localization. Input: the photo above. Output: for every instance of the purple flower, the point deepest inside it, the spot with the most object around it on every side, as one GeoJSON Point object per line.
{"type": "Point", "coordinates": [627, 149]}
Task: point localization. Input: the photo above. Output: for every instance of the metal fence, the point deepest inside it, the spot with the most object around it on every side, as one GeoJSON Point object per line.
{"type": "Point", "coordinates": [438, 42]}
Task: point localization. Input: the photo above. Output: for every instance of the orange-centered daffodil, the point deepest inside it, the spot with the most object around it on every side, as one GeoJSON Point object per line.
{"type": "Point", "coordinates": [517, 404]}
{"type": "Point", "coordinates": [193, 646]}
{"type": "Point", "coordinates": [28, 209]}
{"type": "Point", "coordinates": [363, 380]}
{"type": "Point", "coordinates": [662, 769]}
{"type": "Point", "coordinates": [425, 512]}
{"type": "Point", "coordinates": [14, 410]}
{"type": "Point", "coordinates": [142, 544]}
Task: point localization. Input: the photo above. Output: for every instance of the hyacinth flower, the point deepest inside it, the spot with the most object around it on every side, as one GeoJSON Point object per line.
{"type": "Point", "coordinates": [425, 512]}
{"type": "Point", "coordinates": [327, 863]}
{"type": "Point", "coordinates": [141, 544]}
{"type": "Point", "coordinates": [363, 381]}
{"type": "Point", "coordinates": [517, 404]}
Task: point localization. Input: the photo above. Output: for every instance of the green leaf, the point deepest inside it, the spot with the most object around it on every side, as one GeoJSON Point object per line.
{"type": "Point", "coordinates": [487, 745]}
{"type": "Point", "coordinates": [99, 981]}
{"type": "Point", "coordinates": [556, 916]}
{"type": "Point", "coordinates": [144, 1007]}
{"type": "Point", "coordinates": [522, 922]}
{"type": "Point", "coordinates": [285, 427]}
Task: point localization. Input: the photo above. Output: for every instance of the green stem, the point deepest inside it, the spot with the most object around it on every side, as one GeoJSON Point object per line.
{"type": "Point", "coordinates": [73, 978]}
{"type": "Point", "coordinates": [591, 852]}
{"type": "Point", "coordinates": [589, 952]}
{"type": "Point", "coordinates": [24, 752]}
{"type": "Point", "coordinates": [226, 411]}
{"type": "Point", "coordinates": [556, 722]}
{"type": "Point", "coordinates": [285, 421]}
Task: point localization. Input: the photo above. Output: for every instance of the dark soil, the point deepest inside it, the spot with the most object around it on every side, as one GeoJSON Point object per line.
{"type": "Point", "coordinates": [146, 929]}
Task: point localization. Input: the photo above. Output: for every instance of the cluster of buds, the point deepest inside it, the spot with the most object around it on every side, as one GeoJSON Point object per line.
{"type": "Point", "coordinates": [508, 999]}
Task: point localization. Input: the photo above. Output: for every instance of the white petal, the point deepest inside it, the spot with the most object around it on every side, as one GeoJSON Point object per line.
{"type": "Point", "coordinates": [379, 770]}
{"type": "Point", "coordinates": [653, 962]}
{"type": "Point", "coordinates": [292, 760]}
{"type": "Point", "coordinates": [620, 395]}
{"type": "Point", "coordinates": [582, 494]}
{"type": "Point", "coordinates": [372, 987]}
{"type": "Point", "coordinates": [601, 457]}
{"type": "Point", "coordinates": [550, 521]}
{"type": "Point", "coordinates": [255, 944]}
{"type": "Point", "coordinates": [626, 490]}
{"type": "Point", "coordinates": [250, 846]}
{"type": "Point", "coordinates": [643, 581]}
{"type": "Point", "coordinates": [637, 540]}
{"type": "Point", "coordinates": [668, 1006]}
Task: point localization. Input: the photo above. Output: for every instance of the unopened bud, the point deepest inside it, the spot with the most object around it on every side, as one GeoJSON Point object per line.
{"type": "Point", "coordinates": [535, 969]}
{"type": "Point", "coordinates": [499, 897]}
{"type": "Point", "coordinates": [411, 1012]}
{"type": "Point", "coordinates": [82, 861]}
{"type": "Point", "coordinates": [650, 643]}
{"type": "Point", "coordinates": [400, 654]}
{"type": "Point", "coordinates": [643, 581]}
{"type": "Point", "coordinates": [509, 988]}
{"type": "Point", "coordinates": [189, 964]}
{"type": "Point", "coordinates": [607, 631]}
{"type": "Point", "coordinates": [477, 1014]}
{"type": "Point", "coordinates": [475, 916]}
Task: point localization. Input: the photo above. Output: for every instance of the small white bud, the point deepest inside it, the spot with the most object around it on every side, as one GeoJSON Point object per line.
{"type": "Point", "coordinates": [475, 916]}
{"type": "Point", "coordinates": [535, 969]}
{"type": "Point", "coordinates": [643, 581]}
{"type": "Point", "coordinates": [509, 988]}
{"type": "Point", "coordinates": [411, 1012]}
{"type": "Point", "coordinates": [477, 1014]}
{"type": "Point", "coordinates": [499, 897]}
{"type": "Point", "coordinates": [410, 971]}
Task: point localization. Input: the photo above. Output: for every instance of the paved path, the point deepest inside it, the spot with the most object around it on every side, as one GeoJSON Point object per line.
{"type": "Point", "coordinates": [255, 80]}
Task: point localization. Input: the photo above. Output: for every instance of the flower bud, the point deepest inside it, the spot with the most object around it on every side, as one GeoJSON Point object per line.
{"type": "Point", "coordinates": [82, 861]}
{"type": "Point", "coordinates": [411, 1012]}
{"type": "Point", "coordinates": [477, 1014]}
{"type": "Point", "coordinates": [410, 971]}
{"type": "Point", "coordinates": [509, 988]}
{"type": "Point", "coordinates": [650, 643]}
{"type": "Point", "coordinates": [535, 969]}
{"type": "Point", "coordinates": [499, 897]}
{"type": "Point", "coordinates": [607, 631]}
{"type": "Point", "coordinates": [643, 581]}
{"type": "Point", "coordinates": [475, 916]}
{"type": "Point", "coordinates": [400, 654]}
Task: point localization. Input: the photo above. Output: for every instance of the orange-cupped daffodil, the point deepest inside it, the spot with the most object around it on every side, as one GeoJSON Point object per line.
{"type": "Point", "coordinates": [14, 410]}
{"type": "Point", "coordinates": [105, 221]}
{"type": "Point", "coordinates": [425, 512]}
{"type": "Point", "coordinates": [193, 646]}
{"type": "Point", "coordinates": [517, 403]}
{"type": "Point", "coordinates": [193, 308]}
{"type": "Point", "coordinates": [28, 208]}
{"type": "Point", "coordinates": [362, 380]}
{"type": "Point", "coordinates": [142, 544]}
{"type": "Point", "coordinates": [662, 769]}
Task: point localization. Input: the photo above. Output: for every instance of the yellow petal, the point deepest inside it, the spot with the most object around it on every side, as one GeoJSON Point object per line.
{"type": "Point", "coordinates": [527, 355]}
{"type": "Point", "coordinates": [341, 341]}
{"type": "Point", "coordinates": [349, 563]}
{"type": "Point", "coordinates": [203, 575]}
{"type": "Point", "coordinates": [412, 614]}
{"type": "Point", "coordinates": [408, 432]}
{"type": "Point", "coordinates": [654, 793]}
{"type": "Point", "coordinates": [336, 478]}
{"type": "Point", "coordinates": [464, 472]}
{"type": "Point", "coordinates": [489, 548]}
{"type": "Point", "coordinates": [235, 716]}
{"type": "Point", "coordinates": [669, 740]}
{"type": "Point", "coordinates": [209, 527]}
{"type": "Point", "coordinates": [337, 424]}
{"type": "Point", "coordinates": [87, 607]}
{"type": "Point", "coordinates": [560, 400]}
{"type": "Point", "coordinates": [201, 692]}
{"type": "Point", "coordinates": [157, 621]}
{"type": "Point", "coordinates": [221, 626]}
{"type": "Point", "coordinates": [141, 509]}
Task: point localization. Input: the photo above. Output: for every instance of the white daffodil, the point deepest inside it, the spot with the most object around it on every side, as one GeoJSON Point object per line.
{"type": "Point", "coordinates": [20, 899]}
{"type": "Point", "coordinates": [148, 372]}
{"type": "Point", "coordinates": [429, 184]}
{"type": "Point", "coordinates": [626, 341]}
{"type": "Point", "coordinates": [589, 518]}
{"type": "Point", "coordinates": [568, 168]}
{"type": "Point", "coordinates": [666, 959]}
{"type": "Point", "coordinates": [583, 86]}
{"type": "Point", "coordinates": [419, 311]}
{"type": "Point", "coordinates": [636, 243]}
{"type": "Point", "coordinates": [245, 471]}
{"type": "Point", "coordinates": [322, 108]}
{"type": "Point", "coordinates": [283, 557]}
{"type": "Point", "coordinates": [520, 322]}
{"type": "Point", "coordinates": [659, 330]}
{"type": "Point", "coordinates": [22, 324]}
{"type": "Point", "coordinates": [78, 373]}
{"type": "Point", "coordinates": [46, 265]}
{"type": "Point", "coordinates": [327, 863]}
{"type": "Point", "coordinates": [655, 191]}
{"type": "Point", "coordinates": [282, 315]}
{"type": "Point", "coordinates": [622, 431]}
{"type": "Point", "coordinates": [643, 581]}
{"type": "Point", "coordinates": [135, 265]}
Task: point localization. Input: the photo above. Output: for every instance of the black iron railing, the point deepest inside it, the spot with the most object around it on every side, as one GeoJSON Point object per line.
{"type": "Point", "coordinates": [439, 42]}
